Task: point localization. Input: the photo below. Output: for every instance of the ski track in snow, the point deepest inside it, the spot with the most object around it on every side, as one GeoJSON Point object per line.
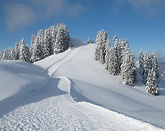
{"type": "Point", "coordinates": [58, 109]}
{"type": "Point", "coordinates": [63, 113]}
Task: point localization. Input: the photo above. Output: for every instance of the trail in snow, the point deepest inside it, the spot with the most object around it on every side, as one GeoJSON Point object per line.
{"type": "Point", "coordinates": [63, 113]}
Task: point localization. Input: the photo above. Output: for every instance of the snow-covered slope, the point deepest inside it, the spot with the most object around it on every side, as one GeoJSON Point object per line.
{"type": "Point", "coordinates": [71, 91]}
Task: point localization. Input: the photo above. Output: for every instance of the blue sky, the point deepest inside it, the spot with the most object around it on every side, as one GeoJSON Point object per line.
{"type": "Point", "coordinates": [141, 21]}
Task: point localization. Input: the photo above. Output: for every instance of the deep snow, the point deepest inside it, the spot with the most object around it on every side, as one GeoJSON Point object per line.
{"type": "Point", "coordinates": [71, 91]}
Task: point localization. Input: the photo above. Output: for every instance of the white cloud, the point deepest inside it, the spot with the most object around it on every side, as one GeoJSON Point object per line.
{"type": "Point", "coordinates": [151, 7]}
{"type": "Point", "coordinates": [50, 8]}
{"type": "Point", "coordinates": [25, 13]}
{"type": "Point", "coordinates": [18, 16]}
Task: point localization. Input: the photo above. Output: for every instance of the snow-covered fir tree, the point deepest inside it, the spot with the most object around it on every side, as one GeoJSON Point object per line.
{"type": "Point", "coordinates": [151, 84]}
{"type": "Point", "coordinates": [114, 61]}
{"type": "Point", "coordinates": [50, 39]}
{"type": "Point", "coordinates": [145, 67]}
{"type": "Point", "coordinates": [134, 67]}
{"type": "Point", "coordinates": [59, 43]}
{"type": "Point", "coordinates": [89, 40]}
{"type": "Point", "coordinates": [141, 62]}
{"type": "Point", "coordinates": [107, 54]}
{"type": "Point", "coordinates": [155, 68]}
{"type": "Point", "coordinates": [24, 53]}
{"type": "Point", "coordinates": [100, 46]}
{"type": "Point", "coordinates": [62, 39]}
{"type": "Point", "coordinates": [127, 67]}
{"type": "Point", "coordinates": [47, 50]}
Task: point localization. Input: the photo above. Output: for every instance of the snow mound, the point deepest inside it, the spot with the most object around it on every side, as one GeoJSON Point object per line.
{"type": "Point", "coordinates": [16, 75]}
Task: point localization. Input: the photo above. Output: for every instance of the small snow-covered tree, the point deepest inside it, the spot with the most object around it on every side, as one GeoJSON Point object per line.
{"type": "Point", "coordinates": [89, 40]}
{"type": "Point", "coordinates": [151, 84]}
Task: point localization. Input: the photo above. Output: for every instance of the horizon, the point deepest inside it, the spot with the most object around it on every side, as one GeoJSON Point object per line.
{"type": "Point", "coordinates": [142, 22]}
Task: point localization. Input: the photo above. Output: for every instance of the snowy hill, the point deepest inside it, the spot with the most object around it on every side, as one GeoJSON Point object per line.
{"type": "Point", "coordinates": [71, 91]}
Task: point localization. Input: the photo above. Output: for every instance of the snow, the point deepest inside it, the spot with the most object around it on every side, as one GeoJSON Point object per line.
{"type": "Point", "coordinates": [71, 91]}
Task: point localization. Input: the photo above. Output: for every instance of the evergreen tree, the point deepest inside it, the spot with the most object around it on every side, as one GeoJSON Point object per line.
{"type": "Point", "coordinates": [36, 56]}
{"type": "Point", "coordinates": [114, 68]}
{"type": "Point", "coordinates": [66, 37]}
{"type": "Point", "coordinates": [24, 54]}
{"type": "Point", "coordinates": [107, 54]}
{"type": "Point", "coordinates": [151, 84]}
{"type": "Point", "coordinates": [89, 40]}
{"type": "Point", "coordinates": [145, 67]}
{"type": "Point", "coordinates": [51, 39]}
{"type": "Point", "coordinates": [59, 43]}
{"type": "Point", "coordinates": [134, 67]}
{"type": "Point", "coordinates": [47, 47]}
{"type": "Point", "coordinates": [127, 67]}
{"type": "Point", "coordinates": [100, 46]}
{"type": "Point", "coordinates": [141, 62]}
{"type": "Point", "coordinates": [113, 62]}
{"type": "Point", "coordinates": [16, 51]}
{"type": "Point", "coordinates": [41, 42]}
{"type": "Point", "coordinates": [155, 68]}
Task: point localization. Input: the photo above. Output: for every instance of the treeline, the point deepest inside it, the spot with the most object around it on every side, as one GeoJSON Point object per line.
{"type": "Point", "coordinates": [50, 41]}
{"type": "Point", "coordinates": [118, 60]}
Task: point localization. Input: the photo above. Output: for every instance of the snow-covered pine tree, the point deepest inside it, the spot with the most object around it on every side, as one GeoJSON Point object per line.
{"type": "Point", "coordinates": [41, 41]}
{"type": "Point", "coordinates": [107, 54]}
{"type": "Point", "coordinates": [89, 40]}
{"type": "Point", "coordinates": [127, 67]}
{"type": "Point", "coordinates": [36, 56]}
{"type": "Point", "coordinates": [47, 47]}
{"type": "Point", "coordinates": [62, 39]}
{"type": "Point", "coordinates": [114, 61]}
{"type": "Point", "coordinates": [66, 37]}
{"type": "Point", "coordinates": [4, 55]}
{"type": "Point", "coordinates": [51, 38]}
{"type": "Point", "coordinates": [32, 47]}
{"type": "Point", "coordinates": [98, 42]}
{"type": "Point", "coordinates": [24, 53]}
{"type": "Point", "coordinates": [155, 68]}
{"type": "Point", "coordinates": [134, 67]}
{"type": "Point", "coordinates": [11, 53]}
{"type": "Point", "coordinates": [16, 51]}
{"type": "Point", "coordinates": [145, 67]}
{"type": "Point", "coordinates": [59, 43]}
{"type": "Point", "coordinates": [100, 46]}
{"type": "Point", "coordinates": [119, 54]}
{"type": "Point", "coordinates": [151, 84]}
{"type": "Point", "coordinates": [141, 62]}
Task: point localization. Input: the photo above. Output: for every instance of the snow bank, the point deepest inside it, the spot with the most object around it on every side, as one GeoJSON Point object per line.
{"type": "Point", "coordinates": [16, 75]}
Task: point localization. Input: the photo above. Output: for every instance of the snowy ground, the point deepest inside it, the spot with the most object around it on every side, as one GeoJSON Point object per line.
{"type": "Point", "coordinates": [71, 91]}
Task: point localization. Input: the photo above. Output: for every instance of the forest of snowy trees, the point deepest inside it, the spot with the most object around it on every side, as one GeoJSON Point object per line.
{"type": "Point", "coordinates": [118, 60]}
{"type": "Point", "coordinates": [47, 42]}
